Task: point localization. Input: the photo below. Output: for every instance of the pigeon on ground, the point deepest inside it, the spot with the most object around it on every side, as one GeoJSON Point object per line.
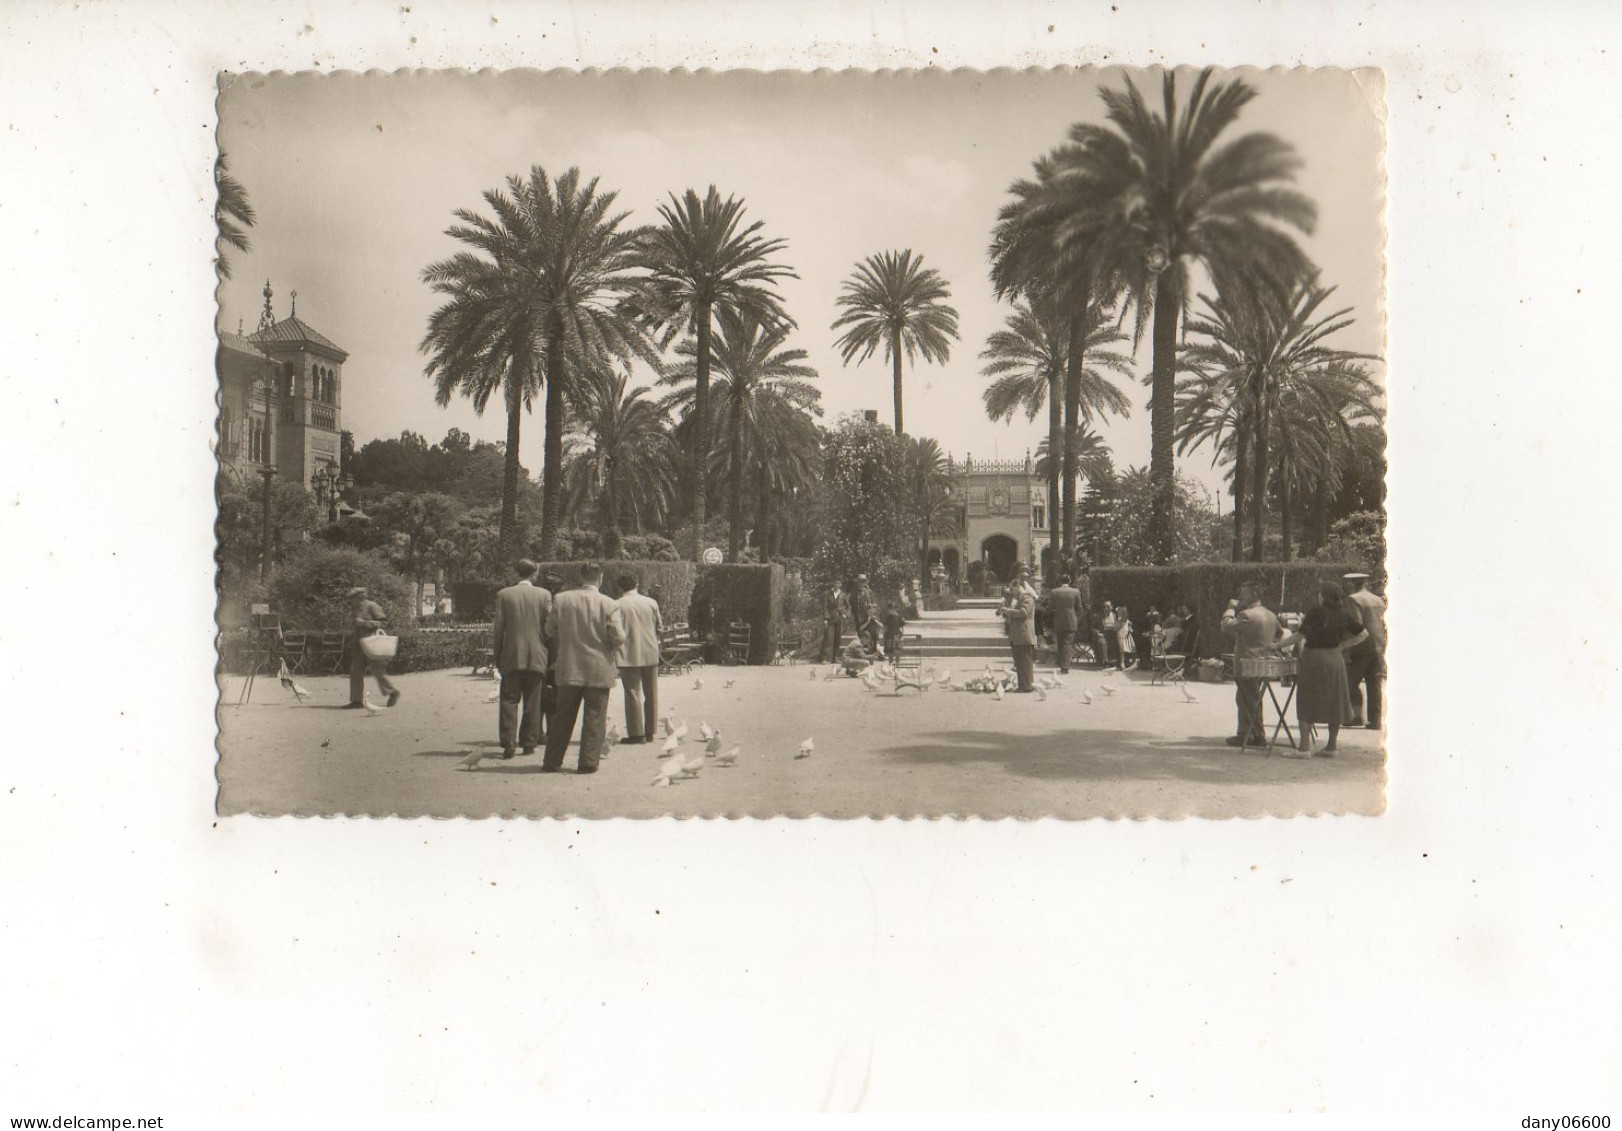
{"type": "Point", "coordinates": [1041, 695]}
{"type": "Point", "coordinates": [371, 708]}
{"type": "Point", "coordinates": [997, 691]}
{"type": "Point", "coordinates": [471, 762]}
{"type": "Point", "coordinates": [494, 695]}
{"type": "Point", "coordinates": [1188, 696]}
{"type": "Point", "coordinates": [698, 684]}
{"type": "Point", "coordinates": [670, 746]}
{"type": "Point", "coordinates": [712, 745]}
{"type": "Point", "coordinates": [613, 736]}
{"type": "Point", "coordinates": [813, 675]}
{"type": "Point", "coordinates": [730, 758]}
{"type": "Point", "coordinates": [1087, 698]}
{"type": "Point", "coordinates": [869, 680]}
{"type": "Point", "coordinates": [669, 770]}
{"type": "Point", "coordinates": [693, 763]}
{"type": "Point", "coordinates": [326, 742]}
{"type": "Point", "coordinates": [805, 749]}
{"type": "Point", "coordinates": [680, 733]}
{"type": "Point", "coordinates": [665, 722]}
{"type": "Point", "coordinates": [299, 693]}
{"type": "Point", "coordinates": [728, 684]}
{"type": "Point", "coordinates": [705, 730]}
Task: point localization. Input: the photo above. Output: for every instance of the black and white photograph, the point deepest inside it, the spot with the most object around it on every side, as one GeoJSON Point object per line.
{"type": "Point", "coordinates": [582, 452]}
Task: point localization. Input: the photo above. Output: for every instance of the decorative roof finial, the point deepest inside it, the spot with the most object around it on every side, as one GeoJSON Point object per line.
{"type": "Point", "coordinates": [239, 327]}
{"type": "Point", "coordinates": [267, 317]}
{"type": "Point", "coordinates": [294, 296]}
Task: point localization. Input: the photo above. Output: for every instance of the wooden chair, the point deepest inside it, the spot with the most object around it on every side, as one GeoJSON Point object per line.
{"type": "Point", "coordinates": [329, 655]}
{"type": "Point", "coordinates": [295, 651]}
{"type": "Point", "coordinates": [678, 651]}
{"type": "Point", "coordinates": [908, 662]}
{"type": "Point", "coordinates": [737, 643]}
{"type": "Point", "coordinates": [788, 649]}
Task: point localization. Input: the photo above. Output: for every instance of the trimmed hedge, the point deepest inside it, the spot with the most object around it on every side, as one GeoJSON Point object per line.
{"type": "Point", "coordinates": [1208, 587]}
{"type": "Point", "coordinates": [432, 649]}
{"type": "Point", "coordinates": [674, 581]}
{"type": "Point", "coordinates": [749, 593]}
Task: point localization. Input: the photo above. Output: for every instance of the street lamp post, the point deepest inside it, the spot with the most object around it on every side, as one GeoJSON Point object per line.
{"type": "Point", "coordinates": [264, 535]}
{"type": "Point", "coordinates": [325, 482]}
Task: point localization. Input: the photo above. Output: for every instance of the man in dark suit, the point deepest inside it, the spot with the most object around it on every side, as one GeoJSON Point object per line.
{"type": "Point", "coordinates": [833, 624]}
{"type": "Point", "coordinates": [865, 613]}
{"type": "Point", "coordinates": [584, 631]}
{"type": "Point", "coordinates": [1064, 607]}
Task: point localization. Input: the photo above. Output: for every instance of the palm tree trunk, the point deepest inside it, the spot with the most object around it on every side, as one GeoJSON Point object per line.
{"type": "Point", "coordinates": [508, 538]}
{"type": "Point", "coordinates": [1055, 507]}
{"type": "Point", "coordinates": [613, 546]}
{"type": "Point", "coordinates": [1284, 503]}
{"type": "Point", "coordinates": [1258, 477]}
{"type": "Point", "coordinates": [700, 455]}
{"type": "Point", "coordinates": [1162, 413]}
{"type": "Point", "coordinates": [1241, 444]}
{"type": "Point", "coordinates": [895, 354]}
{"type": "Point", "coordinates": [735, 476]}
{"type": "Point", "coordinates": [1072, 426]}
{"type": "Point", "coordinates": [552, 450]}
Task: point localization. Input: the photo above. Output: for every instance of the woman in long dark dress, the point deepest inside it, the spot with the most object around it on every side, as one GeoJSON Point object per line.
{"type": "Point", "coordinates": [1321, 695]}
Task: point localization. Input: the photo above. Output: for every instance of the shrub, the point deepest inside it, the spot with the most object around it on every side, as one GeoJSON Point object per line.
{"type": "Point", "coordinates": [473, 602]}
{"type": "Point", "coordinates": [432, 649]}
{"type": "Point", "coordinates": [1207, 587]}
{"type": "Point", "coordinates": [673, 580]}
{"type": "Point", "coordinates": [308, 589]}
{"type": "Point", "coordinates": [749, 593]}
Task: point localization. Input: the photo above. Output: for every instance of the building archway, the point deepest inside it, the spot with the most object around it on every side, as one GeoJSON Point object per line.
{"type": "Point", "coordinates": [1001, 555]}
{"type": "Point", "coordinates": [953, 565]}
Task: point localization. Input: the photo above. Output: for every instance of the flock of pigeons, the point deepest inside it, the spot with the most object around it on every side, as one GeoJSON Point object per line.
{"type": "Point", "coordinates": [678, 764]}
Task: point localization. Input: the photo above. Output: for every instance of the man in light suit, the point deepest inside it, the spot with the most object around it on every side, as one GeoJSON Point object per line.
{"type": "Point", "coordinates": [1019, 612]}
{"type": "Point", "coordinates": [1064, 606]}
{"type": "Point", "coordinates": [583, 632]}
{"type": "Point", "coordinates": [638, 659]}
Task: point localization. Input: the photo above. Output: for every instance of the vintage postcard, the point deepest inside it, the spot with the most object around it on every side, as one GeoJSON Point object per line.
{"type": "Point", "coordinates": [856, 444]}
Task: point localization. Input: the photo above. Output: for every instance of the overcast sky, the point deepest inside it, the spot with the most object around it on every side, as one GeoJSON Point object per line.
{"type": "Point", "coordinates": [354, 178]}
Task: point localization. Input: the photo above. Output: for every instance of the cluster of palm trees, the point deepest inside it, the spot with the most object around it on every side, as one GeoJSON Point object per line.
{"type": "Point", "coordinates": [1112, 226]}
{"type": "Point", "coordinates": [560, 294]}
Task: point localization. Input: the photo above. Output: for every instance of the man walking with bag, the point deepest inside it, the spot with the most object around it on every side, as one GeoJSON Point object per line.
{"type": "Point", "coordinates": [637, 658]}
{"type": "Point", "coordinates": [584, 632]}
{"type": "Point", "coordinates": [366, 618]}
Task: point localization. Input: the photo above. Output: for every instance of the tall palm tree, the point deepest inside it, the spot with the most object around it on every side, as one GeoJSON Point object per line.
{"type": "Point", "coordinates": [233, 215]}
{"type": "Point", "coordinates": [1172, 197]}
{"type": "Point", "coordinates": [752, 373]}
{"type": "Point", "coordinates": [620, 457]}
{"type": "Point", "coordinates": [1045, 247]}
{"type": "Point", "coordinates": [1029, 361]}
{"type": "Point", "coordinates": [893, 300]}
{"type": "Point", "coordinates": [1263, 347]}
{"type": "Point", "coordinates": [783, 458]}
{"type": "Point", "coordinates": [701, 258]}
{"type": "Point", "coordinates": [543, 301]}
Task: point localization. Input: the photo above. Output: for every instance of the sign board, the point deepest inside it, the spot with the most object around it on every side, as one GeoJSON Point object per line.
{"type": "Point", "coordinates": [712, 556]}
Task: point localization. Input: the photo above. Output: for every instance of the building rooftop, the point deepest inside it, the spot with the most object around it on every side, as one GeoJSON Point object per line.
{"type": "Point", "coordinates": [293, 329]}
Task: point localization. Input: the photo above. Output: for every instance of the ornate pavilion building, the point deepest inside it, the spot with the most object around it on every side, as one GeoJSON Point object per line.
{"type": "Point", "coordinates": [281, 400]}
{"type": "Point", "coordinates": [1004, 519]}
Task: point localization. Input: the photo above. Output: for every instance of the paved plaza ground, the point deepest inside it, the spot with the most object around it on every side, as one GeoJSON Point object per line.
{"type": "Point", "coordinates": [1140, 752]}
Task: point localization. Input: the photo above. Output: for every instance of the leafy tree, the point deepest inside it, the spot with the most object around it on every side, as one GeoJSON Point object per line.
{"type": "Point", "coordinates": [540, 300]}
{"type": "Point", "coordinates": [1360, 539]}
{"type": "Point", "coordinates": [892, 300]}
{"type": "Point", "coordinates": [311, 587]}
{"type": "Point", "coordinates": [702, 258]}
{"type": "Point", "coordinates": [1157, 194]}
{"type": "Point", "coordinates": [755, 379]}
{"type": "Point", "coordinates": [1127, 535]}
{"type": "Point", "coordinates": [867, 526]}
{"type": "Point", "coordinates": [415, 524]}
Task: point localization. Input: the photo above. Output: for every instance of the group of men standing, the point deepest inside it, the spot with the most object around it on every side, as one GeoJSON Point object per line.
{"type": "Point", "coordinates": [579, 641]}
